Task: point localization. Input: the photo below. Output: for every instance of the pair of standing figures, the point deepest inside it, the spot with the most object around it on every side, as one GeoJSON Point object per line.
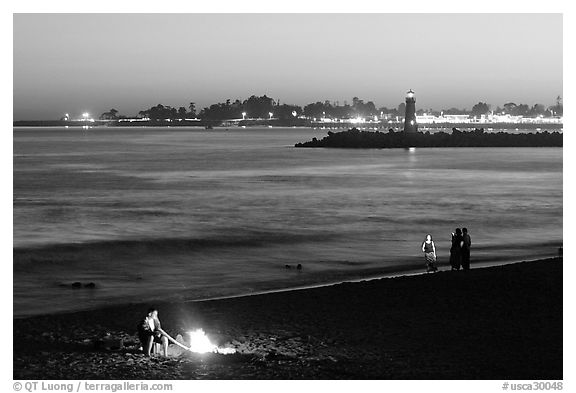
{"type": "Point", "coordinates": [459, 251]}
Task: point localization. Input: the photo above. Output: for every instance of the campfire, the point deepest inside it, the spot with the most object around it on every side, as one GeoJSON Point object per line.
{"type": "Point", "coordinates": [200, 343]}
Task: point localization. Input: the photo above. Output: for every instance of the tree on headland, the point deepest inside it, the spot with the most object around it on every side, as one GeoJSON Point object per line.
{"type": "Point", "coordinates": [362, 109]}
{"type": "Point", "coordinates": [480, 108]}
{"type": "Point", "coordinates": [222, 111]}
{"type": "Point", "coordinates": [509, 108]}
{"type": "Point", "coordinates": [333, 110]}
{"type": "Point", "coordinates": [388, 111]}
{"type": "Point", "coordinates": [316, 109]}
{"type": "Point", "coordinates": [537, 110]}
{"type": "Point", "coordinates": [455, 111]}
{"type": "Point", "coordinates": [192, 108]}
{"type": "Point", "coordinates": [402, 109]}
{"type": "Point", "coordinates": [160, 112]}
{"type": "Point", "coordinates": [521, 110]}
{"type": "Point", "coordinates": [428, 111]}
{"type": "Point", "coordinates": [112, 114]}
{"type": "Point", "coordinates": [258, 107]}
{"type": "Point", "coordinates": [558, 109]}
{"type": "Point", "coordinates": [286, 111]}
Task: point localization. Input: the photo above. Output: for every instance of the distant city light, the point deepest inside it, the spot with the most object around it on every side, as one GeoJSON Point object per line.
{"type": "Point", "coordinates": [86, 117]}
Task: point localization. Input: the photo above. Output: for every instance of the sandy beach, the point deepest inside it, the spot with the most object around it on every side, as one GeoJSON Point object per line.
{"type": "Point", "coordinates": [501, 322]}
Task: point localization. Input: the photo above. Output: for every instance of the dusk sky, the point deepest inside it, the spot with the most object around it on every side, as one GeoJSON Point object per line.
{"type": "Point", "coordinates": [71, 63]}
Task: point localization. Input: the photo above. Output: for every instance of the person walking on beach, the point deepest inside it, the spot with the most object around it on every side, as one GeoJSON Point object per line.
{"type": "Point", "coordinates": [150, 332]}
{"type": "Point", "coordinates": [467, 242]}
{"type": "Point", "coordinates": [429, 250]}
{"type": "Point", "coordinates": [456, 249]}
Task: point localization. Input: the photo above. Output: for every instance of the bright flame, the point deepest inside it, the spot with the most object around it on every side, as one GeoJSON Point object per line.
{"type": "Point", "coordinates": [200, 343]}
{"type": "Point", "coordinates": [226, 351]}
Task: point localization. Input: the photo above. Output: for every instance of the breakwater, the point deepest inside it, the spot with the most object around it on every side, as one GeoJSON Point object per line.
{"type": "Point", "coordinates": [355, 138]}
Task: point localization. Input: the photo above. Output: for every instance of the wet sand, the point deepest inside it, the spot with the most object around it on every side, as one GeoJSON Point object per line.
{"type": "Point", "coordinates": [500, 322]}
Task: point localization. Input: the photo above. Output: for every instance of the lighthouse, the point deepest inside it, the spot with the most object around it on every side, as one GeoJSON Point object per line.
{"type": "Point", "coordinates": [410, 124]}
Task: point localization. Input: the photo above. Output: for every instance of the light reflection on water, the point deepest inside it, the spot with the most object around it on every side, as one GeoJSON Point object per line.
{"type": "Point", "coordinates": [248, 203]}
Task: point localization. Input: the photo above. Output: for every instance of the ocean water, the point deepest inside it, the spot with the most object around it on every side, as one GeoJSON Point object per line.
{"type": "Point", "coordinates": [164, 213]}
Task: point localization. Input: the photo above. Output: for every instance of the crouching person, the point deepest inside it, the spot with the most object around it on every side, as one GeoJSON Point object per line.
{"type": "Point", "coordinates": [150, 332]}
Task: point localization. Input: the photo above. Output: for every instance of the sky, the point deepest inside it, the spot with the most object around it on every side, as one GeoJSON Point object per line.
{"type": "Point", "coordinates": [75, 63]}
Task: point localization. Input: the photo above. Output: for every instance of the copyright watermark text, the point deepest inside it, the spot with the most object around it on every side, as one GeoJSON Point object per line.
{"type": "Point", "coordinates": [84, 386]}
{"type": "Point", "coordinates": [538, 385]}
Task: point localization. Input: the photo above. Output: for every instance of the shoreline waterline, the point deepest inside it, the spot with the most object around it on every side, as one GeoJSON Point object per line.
{"type": "Point", "coordinates": [410, 271]}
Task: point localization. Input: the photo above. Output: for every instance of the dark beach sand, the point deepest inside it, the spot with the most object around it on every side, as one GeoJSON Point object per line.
{"type": "Point", "coordinates": [502, 322]}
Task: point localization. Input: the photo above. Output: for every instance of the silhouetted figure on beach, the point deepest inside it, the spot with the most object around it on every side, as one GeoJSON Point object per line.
{"type": "Point", "coordinates": [467, 243]}
{"type": "Point", "coordinates": [456, 249]}
{"type": "Point", "coordinates": [429, 250]}
{"type": "Point", "coordinates": [150, 332]}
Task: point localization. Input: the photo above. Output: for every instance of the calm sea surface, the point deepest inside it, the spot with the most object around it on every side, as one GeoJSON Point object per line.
{"type": "Point", "coordinates": [166, 213]}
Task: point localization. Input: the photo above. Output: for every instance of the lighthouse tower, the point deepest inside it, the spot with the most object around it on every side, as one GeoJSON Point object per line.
{"type": "Point", "coordinates": [410, 124]}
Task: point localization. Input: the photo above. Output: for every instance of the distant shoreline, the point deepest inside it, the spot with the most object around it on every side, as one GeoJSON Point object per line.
{"type": "Point", "coordinates": [279, 123]}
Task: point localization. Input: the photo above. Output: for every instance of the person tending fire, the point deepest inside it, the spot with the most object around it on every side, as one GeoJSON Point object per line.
{"type": "Point", "coordinates": [150, 332]}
